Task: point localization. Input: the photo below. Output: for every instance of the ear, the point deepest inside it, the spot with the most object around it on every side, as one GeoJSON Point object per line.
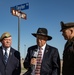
{"type": "Point", "coordinates": [71, 30]}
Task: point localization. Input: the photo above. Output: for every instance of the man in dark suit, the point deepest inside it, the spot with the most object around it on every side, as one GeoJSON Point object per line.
{"type": "Point", "coordinates": [49, 61]}
{"type": "Point", "coordinates": [9, 57]}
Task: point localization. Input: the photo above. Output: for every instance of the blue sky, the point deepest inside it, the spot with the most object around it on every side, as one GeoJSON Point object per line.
{"type": "Point", "coordinates": [41, 13]}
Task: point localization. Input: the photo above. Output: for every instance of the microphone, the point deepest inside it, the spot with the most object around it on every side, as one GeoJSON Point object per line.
{"type": "Point", "coordinates": [34, 55]}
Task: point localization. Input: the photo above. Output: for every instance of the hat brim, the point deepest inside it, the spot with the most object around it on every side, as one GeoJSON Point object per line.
{"type": "Point", "coordinates": [49, 37]}
{"type": "Point", "coordinates": [65, 28]}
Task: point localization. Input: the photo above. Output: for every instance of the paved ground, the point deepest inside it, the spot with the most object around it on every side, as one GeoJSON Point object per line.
{"type": "Point", "coordinates": [23, 71]}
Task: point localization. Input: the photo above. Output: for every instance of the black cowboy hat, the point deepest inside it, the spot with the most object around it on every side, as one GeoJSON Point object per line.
{"type": "Point", "coordinates": [43, 32]}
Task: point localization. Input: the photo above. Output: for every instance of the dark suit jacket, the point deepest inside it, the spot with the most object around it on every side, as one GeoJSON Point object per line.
{"type": "Point", "coordinates": [68, 58]}
{"type": "Point", "coordinates": [50, 63]}
{"type": "Point", "coordinates": [13, 66]}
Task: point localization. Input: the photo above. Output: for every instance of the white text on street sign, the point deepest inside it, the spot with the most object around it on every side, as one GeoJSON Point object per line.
{"type": "Point", "coordinates": [18, 14]}
{"type": "Point", "coordinates": [21, 6]}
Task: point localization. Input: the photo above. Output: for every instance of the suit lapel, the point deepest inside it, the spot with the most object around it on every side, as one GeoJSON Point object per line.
{"type": "Point", "coordinates": [1, 55]}
{"type": "Point", "coordinates": [10, 55]}
{"type": "Point", "coordinates": [45, 53]}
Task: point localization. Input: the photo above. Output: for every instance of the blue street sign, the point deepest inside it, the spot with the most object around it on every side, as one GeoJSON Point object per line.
{"type": "Point", "coordinates": [21, 6]}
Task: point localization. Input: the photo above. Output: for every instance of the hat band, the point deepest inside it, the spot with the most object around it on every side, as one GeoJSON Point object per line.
{"type": "Point", "coordinates": [41, 33]}
{"type": "Point", "coordinates": [7, 36]}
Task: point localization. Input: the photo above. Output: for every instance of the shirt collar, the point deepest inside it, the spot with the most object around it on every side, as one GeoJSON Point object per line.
{"type": "Point", "coordinates": [43, 47]}
{"type": "Point", "coordinates": [8, 49]}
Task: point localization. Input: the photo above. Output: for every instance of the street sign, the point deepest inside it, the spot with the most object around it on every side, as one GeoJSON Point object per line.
{"type": "Point", "coordinates": [18, 14]}
{"type": "Point", "coordinates": [21, 6]}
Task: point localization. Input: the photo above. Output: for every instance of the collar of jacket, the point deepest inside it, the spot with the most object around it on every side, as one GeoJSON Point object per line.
{"type": "Point", "coordinates": [71, 40]}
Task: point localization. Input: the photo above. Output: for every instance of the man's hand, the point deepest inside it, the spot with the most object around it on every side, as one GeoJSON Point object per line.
{"type": "Point", "coordinates": [33, 61]}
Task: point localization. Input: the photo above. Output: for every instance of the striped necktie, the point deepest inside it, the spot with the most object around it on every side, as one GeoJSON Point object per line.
{"type": "Point", "coordinates": [5, 57]}
{"type": "Point", "coordinates": [39, 60]}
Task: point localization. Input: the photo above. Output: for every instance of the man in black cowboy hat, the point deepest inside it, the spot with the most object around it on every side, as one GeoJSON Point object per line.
{"type": "Point", "coordinates": [67, 30]}
{"type": "Point", "coordinates": [47, 62]}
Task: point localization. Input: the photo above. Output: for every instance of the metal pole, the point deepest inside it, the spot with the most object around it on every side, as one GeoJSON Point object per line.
{"type": "Point", "coordinates": [19, 33]}
{"type": "Point", "coordinates": [24, 49]}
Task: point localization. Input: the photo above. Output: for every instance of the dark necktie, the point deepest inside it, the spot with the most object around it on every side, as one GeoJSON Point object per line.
{"type": "Point", "coordinates": [5, 57]}
{"type": "Point", "coordinates": [39, 61]}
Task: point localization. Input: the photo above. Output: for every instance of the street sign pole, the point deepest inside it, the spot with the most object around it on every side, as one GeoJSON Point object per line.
{"type": "Point", "coordinates": [19, 33]}
{"type": "Point", "coordinates": [16, 11]}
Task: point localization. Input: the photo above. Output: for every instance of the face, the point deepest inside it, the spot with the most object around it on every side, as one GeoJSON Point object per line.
{"type": "Point", "coordinates": [6, 42]}
{"type": "Point", "coordinates": [41, 40]}
{"type": "Point", "coordinates": [67, 34]}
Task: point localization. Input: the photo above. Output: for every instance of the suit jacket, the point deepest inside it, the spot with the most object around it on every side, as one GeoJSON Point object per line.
{"type": "Point", "coordinates": [13, 66]}
{"type": "Point", "coordinates": [50, 62]}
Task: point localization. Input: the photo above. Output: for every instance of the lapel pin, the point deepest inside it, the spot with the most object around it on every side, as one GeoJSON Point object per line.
{"type": "Point", "coordinates": [46, 51]}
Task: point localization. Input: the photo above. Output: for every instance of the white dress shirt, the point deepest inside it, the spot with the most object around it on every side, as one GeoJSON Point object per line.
{"type": "Point", "coordinates": [8, 51]}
